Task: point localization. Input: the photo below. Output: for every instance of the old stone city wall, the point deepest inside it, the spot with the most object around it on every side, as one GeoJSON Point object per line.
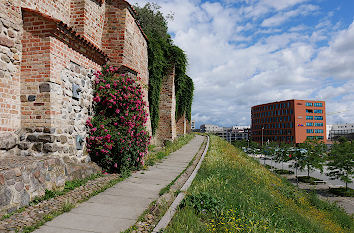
{"type": "Point", "coordinates": [49, 51]}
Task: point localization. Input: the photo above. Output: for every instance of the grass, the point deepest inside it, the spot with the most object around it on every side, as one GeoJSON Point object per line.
{"type": "Point", "coordinates": [342, 192]}
{"type": "Point", "coordinates": [170, 147]}
{"type": "Point", "coordinates": [234, 193]}
{"type": "Point", "coordinates": [308, 179]}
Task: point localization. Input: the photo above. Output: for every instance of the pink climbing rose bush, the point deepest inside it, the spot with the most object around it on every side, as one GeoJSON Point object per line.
{"type": "Point", "coordinates": [118, 140]}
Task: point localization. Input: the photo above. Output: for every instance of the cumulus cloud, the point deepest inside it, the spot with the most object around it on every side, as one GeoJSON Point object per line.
{"type": "Point", "coordinates": [239, 57]}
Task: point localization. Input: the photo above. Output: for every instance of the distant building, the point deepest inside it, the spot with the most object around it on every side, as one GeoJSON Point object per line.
{"type": "Point", "coordinates": [241, 127]}
{"type": "Point", "coordinates": [192, 125]}
{"type": "Point", "coordinates": [228, 133]}
{"type": "Point", "coordinates": [231, 135]}
{"type": "Point", "coordinates": [210, 128]}
{"type": "Point", "coordinates": [328, 129]}
{"type": "Point", "coordinates": [290, 121]}
{"type": "Point", "coordinates": [343, 130]}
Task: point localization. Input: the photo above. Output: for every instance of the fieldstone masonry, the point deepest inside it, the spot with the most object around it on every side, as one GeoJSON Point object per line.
{"type": "Point", "coordinates": [49, 51]}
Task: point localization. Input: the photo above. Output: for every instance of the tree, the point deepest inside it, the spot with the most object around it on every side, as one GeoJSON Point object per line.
{"type": "Point", "coordinates": [283, 154]}
{"type": "Point", "coordinates": [269, 150]}
{"type": "Point", "coordinates": [341, 163]}
{"type": "Point", "coordinates": [313, 151]}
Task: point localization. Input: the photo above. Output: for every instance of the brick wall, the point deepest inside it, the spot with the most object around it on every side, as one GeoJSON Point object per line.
{"type": "Point", "coordinates": [10, 55]}
{"type": "Point", "coordinates": [58, 9]}
{"type": "Point", "coordinates": [167, 105]}
{"type": "Point", "coordinates": [87, 18]}
{"type": "Point", "coordinates": [181, 125]}
{"type": "Point", "coordinates": [125, 43]}
{"type": "Point", "coordinates": [37, 60]}
{"type": "Point", "coordinates": [52, 118]}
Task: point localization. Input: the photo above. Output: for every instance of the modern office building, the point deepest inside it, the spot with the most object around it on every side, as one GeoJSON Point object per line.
{"type": "Point", "coordinates": [343, 130]}
{"type": "Point", "coordinates": [290, 121]}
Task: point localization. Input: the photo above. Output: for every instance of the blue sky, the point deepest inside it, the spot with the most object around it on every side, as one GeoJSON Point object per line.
{"type": "Point", "coordinates": [247, 52]}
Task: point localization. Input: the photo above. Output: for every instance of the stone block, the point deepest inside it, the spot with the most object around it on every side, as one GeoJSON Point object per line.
{"type": "Point", "coordinates": [32, 138]}
{"type": "Point", "coordinates": [8, 140]}
{"type": "Point", "coordinates": [50, 147]}
{"type": "Point", "coordinates": [5, 197]}
{"type": "Point", "coordinates": [19, 186]}
{"type": "Point", "coordinates": [4, 41]}
{"type": "Point", "coordinates": [10, 175]}
{"type": "Point", "coordinates": [24, 145]}
{"type": "Point", "coordinates": [31, 98]}
{"type": "Point", "coordinates": [49, 130]}
{"type": "Point", "coordinates": [46, 138]}
{"type": "Point", "coordinates": [2, 179]}
{"type": "Point", "coordinates": [44, 87]}
{"type": "Point", "coordinates": [37, 147]}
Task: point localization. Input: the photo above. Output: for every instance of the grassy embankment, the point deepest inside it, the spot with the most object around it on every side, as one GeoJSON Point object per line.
{"type": "Point", "coordinates": [234, 193]}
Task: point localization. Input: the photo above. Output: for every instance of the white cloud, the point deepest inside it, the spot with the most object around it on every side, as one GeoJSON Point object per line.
{"type": "Point", "coordinates": [282, 17]}
{"type": "Point", "coordinates": [269, 65]}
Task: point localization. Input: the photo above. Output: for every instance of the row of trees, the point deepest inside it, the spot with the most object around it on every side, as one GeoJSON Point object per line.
{"type": "Point", "coordinates": [310, 155]}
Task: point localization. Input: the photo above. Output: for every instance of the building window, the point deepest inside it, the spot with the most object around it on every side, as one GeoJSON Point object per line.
{"type": "Point", "coordinates": [318, 111]}
{"type": "Point", "coordinates": [309, 124]}
{"type": "Point", "coordinates": [309, 131]}
{"type": "Point", "coordinates": [318, 124]}
{"type": "Point", "coordinates": [309, 110]}
{"type": "Point", "coordinates": [319, 137]}
{"type": "Point", "coordinates": [318, 117]}
{"type": "Point", "coordinates": [318, 105]}
{"type": "Point", "coordinates": [318, 130]}
{"type": "Point", "coordinates": [309, 117]}
{"type": "Point", "coordinates": [310, 137]}
{"type": "Point", "coordinates": [308, 104]}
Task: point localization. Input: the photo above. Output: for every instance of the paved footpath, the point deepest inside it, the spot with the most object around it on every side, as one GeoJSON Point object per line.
{"type": "Point", "coordinates": [119, 207]}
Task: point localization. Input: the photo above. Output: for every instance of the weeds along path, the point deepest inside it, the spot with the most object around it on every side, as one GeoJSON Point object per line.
{"type": "Point", "coordinates": [118, 208]}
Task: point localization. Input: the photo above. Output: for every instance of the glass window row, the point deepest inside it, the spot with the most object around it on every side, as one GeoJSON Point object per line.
{"type": "Point", "coordinates": [315, 137]}
{"type": "Point", "coordinates": [314, 124]}
{"type": "Point", "coordinates": [274, 126]}
{"type": "Point", "coordinates": [314, 130]}
{"type": "Point", "coordinates": [274, 113]}
{"type": "Point", "coordinates": [271, 120]}
{"type": "Point", "coordinates": [314, 117]}
{"type": "Point", "coordinates": [309, 104]}
{"type": "Point", "coordinates": [272, 107]}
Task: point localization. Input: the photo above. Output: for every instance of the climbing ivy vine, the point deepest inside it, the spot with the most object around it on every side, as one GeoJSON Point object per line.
{"type": "Point", "coordinates": [163, 54]}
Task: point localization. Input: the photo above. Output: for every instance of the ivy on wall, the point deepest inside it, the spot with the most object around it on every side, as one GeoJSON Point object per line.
{"type": "Point", "coordinates": [162, 55]}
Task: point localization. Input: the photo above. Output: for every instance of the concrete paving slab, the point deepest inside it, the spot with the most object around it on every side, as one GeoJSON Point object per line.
{"type": "Point", "coordinates": [48, 229]}
{"type": "Point", "coordinates": [124, 211]}
{"type": "Point", "coordinates": [130, 191]}
{"type": "Point", "coordinates": [89, 223]}
{"type": "Point", "coordinates": [119, 207]}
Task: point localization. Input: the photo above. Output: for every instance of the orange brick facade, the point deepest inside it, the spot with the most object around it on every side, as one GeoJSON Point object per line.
{"type": "Point", "coordinates": [290, 121]}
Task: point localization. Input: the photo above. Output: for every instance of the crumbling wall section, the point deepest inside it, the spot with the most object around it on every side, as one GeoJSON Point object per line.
{"type": "Point", "coordinates": [167, 106]}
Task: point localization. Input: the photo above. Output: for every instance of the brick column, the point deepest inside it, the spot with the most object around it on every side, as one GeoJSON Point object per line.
{"type": "Point", "coordinates": [167, 105]}
{"type": "Point", "coordinates": [181, 125]}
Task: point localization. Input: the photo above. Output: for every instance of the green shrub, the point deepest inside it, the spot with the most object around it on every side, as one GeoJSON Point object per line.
{"type": "Point", "coordinates": [117, 139]}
